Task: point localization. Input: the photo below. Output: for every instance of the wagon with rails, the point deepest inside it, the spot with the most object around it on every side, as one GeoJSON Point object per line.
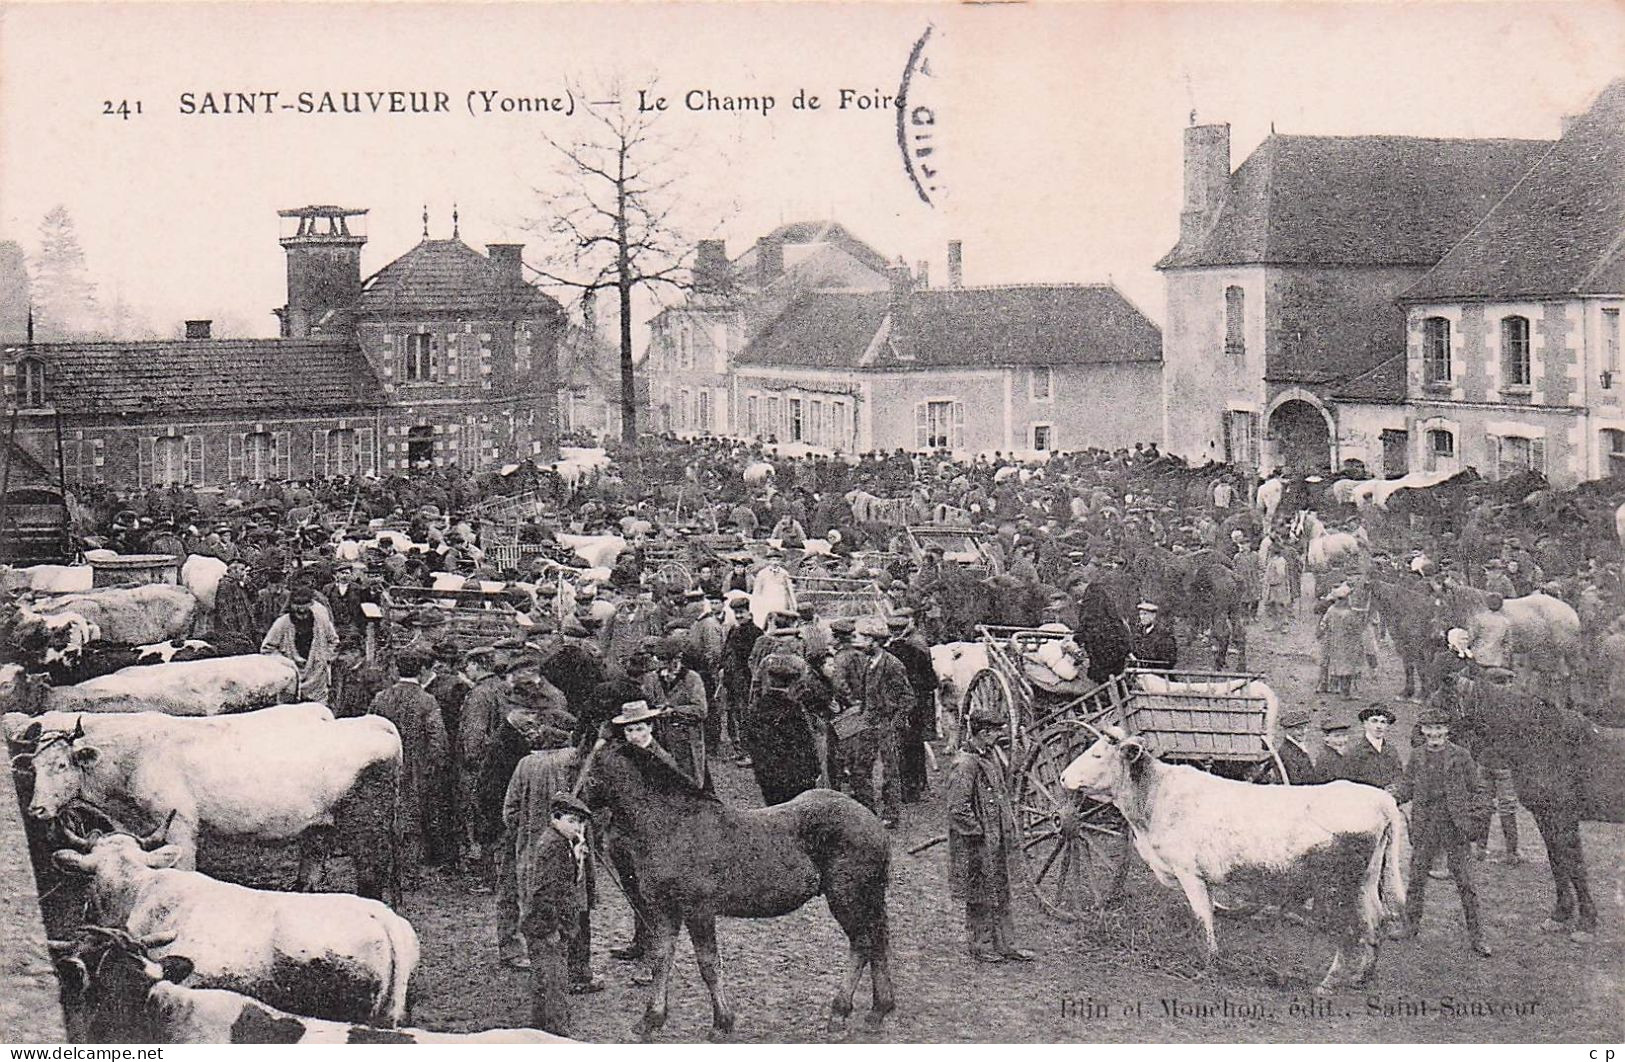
{"type": "Point", "coordinates": [838, 597]}
{"type": "Point", "coordinates": [475, 615]}
{"type": "Point", "coordinates": [1074, 849]}
{"type": "Point", "coordinates": [965, 546]}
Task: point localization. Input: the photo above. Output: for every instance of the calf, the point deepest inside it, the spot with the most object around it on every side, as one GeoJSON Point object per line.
{"type": "Point", "coordinates": [1197, 830]}
{"type": "Point", "coordinates": [332, 955]}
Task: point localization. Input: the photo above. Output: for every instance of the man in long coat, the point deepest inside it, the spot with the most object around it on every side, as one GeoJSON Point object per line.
{"type": "Point", "coordinates": [235, 631]}
{"type": "Point", "coordinates": [981, 830]}
{"type": "Point", "coordinates": [305, 635]}
{"type": "Point", "coordinates": [918, 724]}
{"type": "Point", "coordinates": [678, 693]}
{"type": "Point", "coordinates": [424, 755]}
{"type": "Point", "coordinates": [885, 697]}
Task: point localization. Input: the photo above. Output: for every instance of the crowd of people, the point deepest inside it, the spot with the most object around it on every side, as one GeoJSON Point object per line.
{"type": "Point", "coordinates": [493, 734]}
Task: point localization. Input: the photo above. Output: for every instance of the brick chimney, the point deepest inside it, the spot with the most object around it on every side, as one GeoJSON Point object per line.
{"type": "Point", "coordinates": [769, 260]}
{"type": "Point", "coordinates": [711, 272]}
{"type": "Point", "coordinates": [922, 273]}
{"type": "Point", "coordinates": [199, 329]}
{"type": "Point", "coordinates": [1207, 173]}
{"type": "Point", "coordinates": [901, 282]}
{"type": "Point", "coordinates": [956, 264]}
{"type": "Point", "coordinates": [509, 260]}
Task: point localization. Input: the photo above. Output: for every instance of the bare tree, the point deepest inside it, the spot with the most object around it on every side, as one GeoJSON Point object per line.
{"type": "Point", "coordinates": [612, 228]}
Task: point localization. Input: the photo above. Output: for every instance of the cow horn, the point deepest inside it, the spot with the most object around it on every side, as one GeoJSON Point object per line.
{"type": "Point", "coordinates": [22, 760]}
{"type": "Point", "coordinates": [155, 839]}
{"type": "Point", "coordinates": [156, 940]}
{"type": "Point", "coordinates": [75, 839]}
{"type": "Point", "coordinates": [78, 729]}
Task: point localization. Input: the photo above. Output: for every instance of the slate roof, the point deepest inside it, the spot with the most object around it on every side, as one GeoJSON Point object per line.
{"type": "Point", "coordinates": [1560, 231]}
{"type": "Point", "coordinates": [803, 232]}
{"type": "Point", "coordinates": [980, 327]}
{"type": "Point", "coordinates": [1382, 383]}
{"type": "Point", "coordinates": [183, 376]}
{"type": "Point", "coordinates": [1356, 200]}
{"type": "Point", "coordinates": [448, 275]}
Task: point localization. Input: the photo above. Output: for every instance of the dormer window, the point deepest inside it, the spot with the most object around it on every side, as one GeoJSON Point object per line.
{"type": "Point", "coordinates": [31, 384]}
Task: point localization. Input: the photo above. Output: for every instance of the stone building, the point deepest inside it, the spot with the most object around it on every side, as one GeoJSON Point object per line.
{"type": "Point", "coordinates": [1282, 290]}
{"type": "Point", "coordinates": [445, 356]}
{"type": "Point", "coordinates": [1513, 339]}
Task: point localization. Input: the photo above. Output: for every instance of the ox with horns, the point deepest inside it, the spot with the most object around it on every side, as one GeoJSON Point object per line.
{"type": "Point", "coordinates": [1197, 830]}
{"type": "Point", "coordinates": [331, 955]}
{"type": "Point", "coordinates": [272, 776]}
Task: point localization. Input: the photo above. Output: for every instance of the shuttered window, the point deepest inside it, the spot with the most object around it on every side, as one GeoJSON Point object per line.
{"type": "Point", "coordinates": [251, 456]}
{"type": "Point", "coordinates": [1510, 455]}
{"type": "Point", "coordinates": [939, 424]}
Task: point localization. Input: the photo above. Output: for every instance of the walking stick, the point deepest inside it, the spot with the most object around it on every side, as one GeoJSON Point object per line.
{"type": "Point", "coordinates": [932, 843]}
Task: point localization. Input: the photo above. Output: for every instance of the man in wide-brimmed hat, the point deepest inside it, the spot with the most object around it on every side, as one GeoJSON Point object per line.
{"type": "Point", "coordinates": [679, 693]}
{"type": "Point", "coordinates": [1441, 786]}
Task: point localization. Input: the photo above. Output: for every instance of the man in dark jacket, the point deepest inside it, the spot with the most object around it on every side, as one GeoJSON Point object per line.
{"type": "Point", "coordinates": [1371, 758]}
{"type": "Point", "coordinates": [1154, 644]}
{"type": "Point", "coordinates": [981, 830]}
{"type": "Point", "coordinates": [1440, 785]}
{"type": "Point", "coordinates": [918, 724]}
{"type": "Point", "coordinates": [1298, 762]}
{"type": "Point", "coordinates": [235, 629]}
{"type": "Point", "coordinates": [737, 645]}
{"type": "Point", "coordinates": [886, 697]}
{"type": "Point", "coordinates": [415, 714]}
{"type": "Point", "coordinates": [553, 876]}
{"type": "Point", "coordinates": [1103, 633]}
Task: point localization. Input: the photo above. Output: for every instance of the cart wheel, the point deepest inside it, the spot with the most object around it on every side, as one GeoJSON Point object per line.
{"type": "Point", "coordinates": [1074, 848]}
{"type": "Point", "coordinates": [988, 691]}
{"type": "Point", "coordinates": [1269, 771]}
{"type": "Point", "coordinates": [675, 575]}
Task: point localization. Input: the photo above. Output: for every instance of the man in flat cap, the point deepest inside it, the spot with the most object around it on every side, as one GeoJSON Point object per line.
{"type": "Point", "coordinates": [917, 725]}
{"type": "Point", "coordinates": [1441, 786]}
{"type": "Point", "coordinates": [553, 868]}
{"type": "Point", "coordinates": [1334, 736]}
{"type": "Point", "coordinates": [981, 830]}
{"type": "Point", "coordinates": [1154, 645]}
{"type": "Point", "coordinates": [1293, 749]}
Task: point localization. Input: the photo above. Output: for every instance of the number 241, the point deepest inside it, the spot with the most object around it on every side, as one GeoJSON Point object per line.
{"type": "Point", "coordinates": [122, 109]}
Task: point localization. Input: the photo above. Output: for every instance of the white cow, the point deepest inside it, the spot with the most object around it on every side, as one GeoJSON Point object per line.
{"type": "Point", "coordinates": [329, 954]}
{"type": "Point", "coordinates": [202, 574]}
{"type": "Point", "coordinates": [134, 615]}
{"type": "Point", "coordinates": [267, 776]}
{"type": "Point", "coordinates": [759, 473]}
{"type": "Point", "coordinates": [1195, 829]}
{"type": "Point", "coordinates": [598, 551]}
{"type": "Point", "coordinates": [1269, 496]}
{"type": "Point", "coordinates": [49, 578]}
{"type": "Point", "coordinates": [182, 688]}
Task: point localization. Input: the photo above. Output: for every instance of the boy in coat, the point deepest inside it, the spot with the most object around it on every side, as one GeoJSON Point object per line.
{"type": "Point", "coordinates": [553, 902]}
{"type": "Point", "coordinates": [1440, 784]}
{"type": "Point", "coordinates": [980, 833]}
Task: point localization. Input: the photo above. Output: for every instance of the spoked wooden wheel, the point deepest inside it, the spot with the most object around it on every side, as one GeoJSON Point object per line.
{"type": "Point", "coordinates": [988, 693]}
{"type": "Point", "coordinates": [674, 575]}
{"type": "Point", "coordinates": [1074, 848]}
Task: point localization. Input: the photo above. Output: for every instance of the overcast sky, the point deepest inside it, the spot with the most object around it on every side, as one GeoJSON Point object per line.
{"type": "Point", "coordinates": [1059, 125]}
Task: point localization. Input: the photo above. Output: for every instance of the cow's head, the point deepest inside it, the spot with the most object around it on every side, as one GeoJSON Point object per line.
{"type": "Point", "coordinates": [114, 857]}
{"type": "Point", "coordinates": [1108, 765]}
{"type": "Point", "coordinates": [107, 976]}
{"type": "Point", "coordinates": [59, 760]}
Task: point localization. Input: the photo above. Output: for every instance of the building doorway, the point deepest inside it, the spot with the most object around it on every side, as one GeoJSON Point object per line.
{"type": "Point", "coordinates": [420, 446]}
{"type": "Point", "coordinates": [1303, 441]}
{"type": "Point", "coordinates": [1396, 452]}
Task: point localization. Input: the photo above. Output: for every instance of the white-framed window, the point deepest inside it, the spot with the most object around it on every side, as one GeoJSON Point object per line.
{"type": "Point", "coordinates": [1610, 346]}
{"type": "Point", "coordinates": [1511, 455]}
{"type": "Point", "coordinates": [1515, 368]}
{"type": "Point", "coordinates": [84, 460]}
{"type": "Point", "coordinates": [705, 409]}
{"type": "Point", "coordinates": [752, 414]}
{"type": "Point", "coordinates": [816, 435]}
{"type": "Point", "coordinates": [31, 384]}
{"type": "Point", "coordinates": [772, 425]}
{"type": "Point", "coordinates": [939, 424]}
{"type": "Point", "coordinates": [419, 358]}
{"type": "Point", "coordinates": [796, 424]}
{"type": "Point", "coordinates": [1241, 438]}
{"type": "Point", "coordinates": [169, 460]}
{"type": "Point", "coordinates": [1043, 437]}
{"type": "Point", "coordinates": [1613, 452]}
{"type": "Point", "coordinates": [1041, 383]}
{"type": "Point", "coordinates": [259, 456]}
{"type": "Point", "coordinates": [1436, 350]}
{"type": "Point", "coordinates": [1235, 321]}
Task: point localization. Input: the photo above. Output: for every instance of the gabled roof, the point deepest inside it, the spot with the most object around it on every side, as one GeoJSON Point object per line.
{"type": "Point", "coordinates": [184, 376]}
{"type": "Point", "coordinates": [804, 232]}
{"type": "Point", "coordinates": [1560, 231]}
{"type": "Point", "coordinates": [1382, 383]}
{"type": "Point", "coordinates": [448, 275]}
{"type": "Point", "coordinates": [1355, 200]}
{"type": "Point", "coordinates": [1041, 324]}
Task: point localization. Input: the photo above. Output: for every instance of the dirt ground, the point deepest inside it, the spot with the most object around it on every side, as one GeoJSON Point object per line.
{"type": "Point", "coordinates": [1091, 983]}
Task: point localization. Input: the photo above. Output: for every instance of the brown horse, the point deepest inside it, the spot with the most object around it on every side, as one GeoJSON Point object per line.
{"type": "Point", "coordinates": [696, 858]}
